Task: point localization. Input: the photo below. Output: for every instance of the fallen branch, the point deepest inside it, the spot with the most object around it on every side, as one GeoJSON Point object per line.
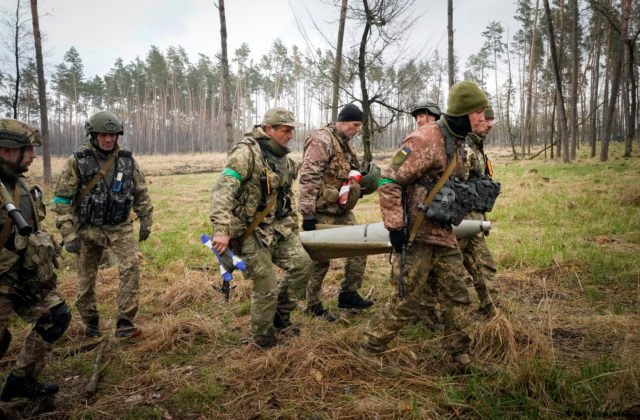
{"type": "Point", "coordinates": [92, 386]}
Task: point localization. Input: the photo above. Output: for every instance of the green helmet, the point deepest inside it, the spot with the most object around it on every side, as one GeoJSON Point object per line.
{"type": "Point", "coordinates": [370, 177]}
{"type": "Point", "coordinates": [430, 108]}
{"type": "Point", "coordinates": [15, 134]}
{"type": "Point", "coordinates": [103, 122]}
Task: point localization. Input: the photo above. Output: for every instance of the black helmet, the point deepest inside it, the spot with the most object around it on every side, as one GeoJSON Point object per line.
{"type": "Point", "coordinates": [15, 134]}
{"type": "Point", "coordinates": [425, 106]}
{"type": "Point", "coordinates": [370, 177]}
{"type": "Point", "coordinates": [103, 122]}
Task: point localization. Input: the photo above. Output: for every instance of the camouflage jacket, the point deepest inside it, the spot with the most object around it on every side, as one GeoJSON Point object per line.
{"type": "Point", "coordinates": [69, 187]}
{"type": "Point", "coordinates": [418, 164]}
{"type": "Point", "coordinates": [26, 262]}
{"type": "Point", "coordinates": [239, 196]}
{"type": "Point", "coordinates": [328, 158]}
{"type": "Point", "coordinates": [475, 165]}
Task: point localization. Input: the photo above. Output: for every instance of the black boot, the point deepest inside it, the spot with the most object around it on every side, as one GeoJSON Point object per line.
{"type": "Point", "coordinates": [18, 388]}
{"type": "Point", "coordinates": [353, 300]}
{"type": "Point", "coordinates": [92, 328]}
{"type": "Point", "coordinates": [319, 311]}
{"type": "Point", "coordinates": [126, 329]}
{"type": "Point", "coordinates": [283, 324]}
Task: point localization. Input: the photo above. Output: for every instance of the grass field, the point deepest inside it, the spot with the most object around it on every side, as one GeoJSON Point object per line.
{"type": "Point", "coordinates": [566, 238]}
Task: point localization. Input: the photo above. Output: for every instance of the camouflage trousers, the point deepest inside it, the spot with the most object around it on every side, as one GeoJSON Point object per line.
{"type": "Point", "coordinates": [447, 270]}
{"type": "Point", "coordinates": [480, 265]}
{"type": "Point", "coordinates": [269, 294]}
{"type": "Point", "coordinates": [93, 242]}
{"type": "Point", "coordinates": [353, 268]}
{"type": "Point", "coordinates": [31, 358]}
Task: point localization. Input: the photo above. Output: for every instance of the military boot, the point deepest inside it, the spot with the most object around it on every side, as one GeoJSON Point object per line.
{"type": "Point", "coordinates": [353, 300]}
{"type": "Point", "coordinates": [18, 388]}
{"type": "Point", "coordinates": [92, 328]}
{"type": "Point", "coordinates": [126, 329]}
{"type": "Point", "coordinates": [319, 311]}
{"type": "Point", "coordinates": [282, 322]}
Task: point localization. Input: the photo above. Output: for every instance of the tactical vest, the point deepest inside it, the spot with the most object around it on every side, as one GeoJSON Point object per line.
{"type": "Point", "coordinates": [280, 176]}
{"type": "Point", "coordinates": [110, 201]}
{"type": "Point", "coordinates": [485, 189]}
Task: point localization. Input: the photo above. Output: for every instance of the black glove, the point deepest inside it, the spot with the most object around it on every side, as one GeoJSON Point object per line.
{"type": "Point", "coordinates": [72, 246]}
{"type": "Point", "coordinates": [397, 239]}
{"type": "Point", "coordinates": [144, 234]}
{"type": "Point", "coordinates": [309, 224]}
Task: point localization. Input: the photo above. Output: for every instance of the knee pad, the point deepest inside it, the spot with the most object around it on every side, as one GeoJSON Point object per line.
{"type": "Point", "coordinates": [4, 342]}
{"type": "Point", "coordinates": [52, 326]}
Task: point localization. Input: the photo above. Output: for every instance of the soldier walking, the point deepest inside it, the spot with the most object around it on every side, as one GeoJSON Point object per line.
{"type": "Point", "coordinates": [252, 211]}
{"type": "Point", "coordinates": [27, 280]}
{"type": "Point", "coordinates": [327, 163]}
{"type": "Point", "coordinates": [98, 187]}
{"type": "Point", "coordinates": [428, 155]}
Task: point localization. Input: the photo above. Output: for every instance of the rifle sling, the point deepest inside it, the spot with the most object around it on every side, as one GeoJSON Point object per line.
{"type": "Point", "coordinates": [427, 201]}
{"type": "Point", "coordinates": [101, 173]}
{"type": "Point", "coordinates": [6, 229]}
{"type": "Point", "coordinates": [259, 218]}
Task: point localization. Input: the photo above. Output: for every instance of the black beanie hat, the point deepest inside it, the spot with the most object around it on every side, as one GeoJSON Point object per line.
{"type": "Point", "coordinates": [350, 112]}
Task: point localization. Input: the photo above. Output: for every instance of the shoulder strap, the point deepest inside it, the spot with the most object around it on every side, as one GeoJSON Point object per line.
{"type": "Point", "coordinates": [6, 229]}
{"type": "Point", "coordinates": [431, 195]}
{"type": "Point", "coordinates": [101, 173]}
{"type": "Point", "coordinates": [260, 217]}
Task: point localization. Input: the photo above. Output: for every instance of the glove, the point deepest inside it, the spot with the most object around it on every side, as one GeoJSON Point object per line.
{"type": "Point", "coordinates": [144, 234]}
{"type": "Point", "coordinates": [72, 246]}
{"type": "Point", "coordinates": [397, 239]}
{"type": "Point", "coordinates": [309, 224]}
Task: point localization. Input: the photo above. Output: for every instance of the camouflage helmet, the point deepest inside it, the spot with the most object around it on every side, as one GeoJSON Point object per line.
{"type": "Point", "coordinates": [15, 134]}
{"type": "Point", "coordinates": [430, 108]}
{"type": "Point", "coordinates": [370, 177]}
{"type": "Point", "coordinates": [103, 122]}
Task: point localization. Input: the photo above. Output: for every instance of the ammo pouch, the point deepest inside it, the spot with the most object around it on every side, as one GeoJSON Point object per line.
{"type": "Point", "coordinates": [38, 258]}
{"type": "Point", "coordinates": [328, 197]}
{"type": "Point", "coordinates": [451, 203]}
{"type": "Point", "coordinates": [487, 191]}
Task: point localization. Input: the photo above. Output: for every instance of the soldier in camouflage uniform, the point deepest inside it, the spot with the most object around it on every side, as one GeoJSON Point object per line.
{"type": "Point", "coordinates": [477, 257]}
{"type": "Point", "coordinates": [98, 186]}
{"type": "Point", "coordinates": [27, 280]}
{"type": "Point", "coordinates": [252, 211]}
{"type": "Point", "coordinates": [421, 161]}
{"type": "Point", "coordinates": [328, 158]}
{"type": "Point", "coordinates": [425, 112]}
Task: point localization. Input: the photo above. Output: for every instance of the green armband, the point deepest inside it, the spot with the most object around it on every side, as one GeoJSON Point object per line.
{"type": "Point", "coordinates": [61, 200]}
{"type": "Point", "coordinates": [230, 172]}
{"type": "Point", "coordinates": [385, 181]}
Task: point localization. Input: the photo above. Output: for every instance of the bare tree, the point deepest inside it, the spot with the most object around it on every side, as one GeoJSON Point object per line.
{"type": "Point", "coordinates": [337, 68]}
{"type": "Point", "coordinates": [227, 107]}
{"type": "Point", "coordinates": [451, 60]}
{"type": "Point", "coordinates": [556, 71]}
{"type": "Point", "coordinates": [42, 93]}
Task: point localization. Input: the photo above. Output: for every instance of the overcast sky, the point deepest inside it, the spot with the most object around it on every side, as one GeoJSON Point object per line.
{"type": "Point", "coordinates": [103, 31]}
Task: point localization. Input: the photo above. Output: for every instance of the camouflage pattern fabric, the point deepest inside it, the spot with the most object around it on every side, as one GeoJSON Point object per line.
{"type": "Point", "coordinates": [354, 268]}
{"type": "Point", "coordinates": [328, 157]}
{"type": "Point", "coordinates": [420, 161]}
{"type": "Point", "coordinates": [27, 279]}
{"type": "Point", "coordinates": [236, 200]}
{"type": "Point", "coordinates": [445, 265]}
{"type": "Point", "coordinates": [95, 239]}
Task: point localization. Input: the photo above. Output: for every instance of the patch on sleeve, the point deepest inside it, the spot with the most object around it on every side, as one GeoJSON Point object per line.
{"type": "Point", "coordinates": [400, 157]}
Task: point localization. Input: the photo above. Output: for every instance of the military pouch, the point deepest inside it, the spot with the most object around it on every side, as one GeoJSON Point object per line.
{"type": "Point", "coordinates": [39, 256]}
{"type": "Point", "coordinates": [119, 208]}
{"type": "Point", "coordinates": [451, 203]}
{"type": "Point", "coordinates": [283, 205]}
{"type": "Point", "coordinates": [353, 197]}
{"type": "Point", "coordinates": [487, 191]}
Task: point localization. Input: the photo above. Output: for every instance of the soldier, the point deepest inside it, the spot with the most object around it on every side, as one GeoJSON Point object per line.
{"type": "Point", "coordinates": [252, 211]}
{"type": "Point", "coordinates": [98, 186]}
{"type": "Point", "coordinates": [326, 164]}
{"type": "Point", "coordinates": [27, 280]}
{"type": "Point", "coordinates": [425, 112]}
{"type": "Point", "coordinates": [477, 257]}
{"type": "Point", "coordinates": [428, 155]}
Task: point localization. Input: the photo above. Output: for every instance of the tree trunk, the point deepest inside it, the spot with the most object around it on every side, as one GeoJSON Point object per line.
{"type": "Point", "coordinates": [629, 65]}
{"type": "Point", "coordinates": [42, 94]}
{"type": "Point", "coordinates": [337, 68]}
{"type": "Point", "coordinates": [367, 131]}
{"type": "Point", "coordinates": [559, 97]}
{"type": "Point", "coordinates": [532, 58]}
{"type": "Point", "coordinates": [452, 70]}
{"type": "Point", "coordinates": [595, 81]}
{"type": "Point", "coordinates": [574, 79]}
{"type": "Point", "coordinates": [226, 83]}
{"type": "Point", "coordinates": [617, 51]}
{"type": "Point", "coordinates": [16, 55]}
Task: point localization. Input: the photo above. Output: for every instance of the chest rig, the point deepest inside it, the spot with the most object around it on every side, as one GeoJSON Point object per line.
{"type": "Point", "coordinates": [109, 202]}
{"type": "Point", "coordinates": [277, 178]}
